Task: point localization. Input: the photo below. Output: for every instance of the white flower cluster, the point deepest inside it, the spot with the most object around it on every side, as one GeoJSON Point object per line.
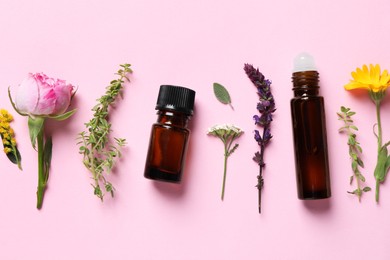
{"type": "Point", "coordinates": [225, 129]}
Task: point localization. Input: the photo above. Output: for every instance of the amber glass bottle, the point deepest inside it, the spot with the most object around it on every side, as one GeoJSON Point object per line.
{"type": "Point", "coordinates": [309, 131]}
{"type": "Point", "coordinates": [169, 136]}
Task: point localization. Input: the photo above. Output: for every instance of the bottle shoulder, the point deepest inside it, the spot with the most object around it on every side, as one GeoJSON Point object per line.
{"type": "Point", "coordinates": [170, 127]}
{"type": "Point", "coordinates": [307, 98]}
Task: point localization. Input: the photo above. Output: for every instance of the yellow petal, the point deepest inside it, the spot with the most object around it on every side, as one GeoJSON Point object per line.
{"type": "Point", "coordinates": [356, 85]}
{"type": "Point", "coordinates": [365, 73]}
{"type": "Point", "coordinates": [384, 78]}
{"type": "Point", "coordinates": [375, 72]}
{"type": "Point", "coordinates": [354, 75]}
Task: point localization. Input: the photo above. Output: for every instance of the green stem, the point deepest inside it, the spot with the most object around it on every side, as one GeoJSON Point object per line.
{"type": "Point", "coordinates": [227, 145]}
{"type": "Point", "coordinates": [224, 174]}
{"type": "Point", "coordinates": [377, 191]}
{"type": "Point", "coordinates": [354, 151]}
{"type": "Point", "coordinates": [379, 136]}
{"type": "Point", "coordinates": [358, 187]}
{"type": "Point", "coordinates": [41, 174]}
{"type": "Point", "coordinates": [378, 117]}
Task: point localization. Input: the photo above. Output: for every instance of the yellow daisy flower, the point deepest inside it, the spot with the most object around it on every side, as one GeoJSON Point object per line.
{"type": "Point", "coordinates": [376, 83]}
{"type": "Point", "coordinates": [369, 78]}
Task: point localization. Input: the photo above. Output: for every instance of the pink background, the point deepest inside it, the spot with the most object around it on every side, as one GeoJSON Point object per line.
{"type": "Point", "coordinates": [193, 44]}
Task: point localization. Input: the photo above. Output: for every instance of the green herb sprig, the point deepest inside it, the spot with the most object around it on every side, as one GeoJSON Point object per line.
{"type": "Point", "coordinates": [355, 150]}
{"type": "Point", "coordinates": [98, 150]}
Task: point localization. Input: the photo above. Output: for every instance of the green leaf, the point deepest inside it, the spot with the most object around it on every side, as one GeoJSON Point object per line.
{"type": "Point", "coordinates": [359, 148]}
{"type": "Point", "coordinates": [232, 150]}
{"type": "Point", "coordinates": [110, 188]}
{"type": "Point", "coordinates": [47, 153]}
{"type": "Point", "coordinates": [365, 189]}
{"type": "Point", "coordinates": [388, 163]}
{"type": "Point", "coordinates": [354, 127]}
{"type": "Point", "coordinates": [14, 156]}
{"type": "Point", "coordinates": [357, 192]}
{"type": "Point", "coordinates": [360, 177]}
{"type": "Point", "coordinates": [360, 162]}
{"type": "Point", "coordinates": [354, 166]}
{"type": "Point", "coordinates": [221, 94]}
{"type": "Point", "coordinates": [351, 140]}
{"type": "Point", "coordinates": [98, 192]}
{"type": "Point", "coordinates": [63, 116]}
{"type": "Point", "coordinates": [380, 169]}
{"type": "Point", "coordinates": [35, 126]}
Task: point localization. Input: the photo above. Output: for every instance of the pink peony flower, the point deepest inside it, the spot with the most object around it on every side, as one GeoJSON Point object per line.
{"type": "Point", "coordinates": [40, 95]}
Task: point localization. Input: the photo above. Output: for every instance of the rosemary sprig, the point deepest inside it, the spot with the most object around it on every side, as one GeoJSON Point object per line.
{"type": "Point", "coordinates": [98, 150]}
{"type": "Point", "coordinates": [355, 150]}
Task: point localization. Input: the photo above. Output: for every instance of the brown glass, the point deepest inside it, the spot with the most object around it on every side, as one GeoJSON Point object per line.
{"type": "Point", "coordinates": [167, 147]}
{"type": "Point", "coordinates": [310, 141]}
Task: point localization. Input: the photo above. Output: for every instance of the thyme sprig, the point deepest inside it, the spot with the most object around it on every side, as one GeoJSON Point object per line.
{"type": "Point", "coordinates": [355, 150]}
{"type": "Point", "coordinates": [98, 149]}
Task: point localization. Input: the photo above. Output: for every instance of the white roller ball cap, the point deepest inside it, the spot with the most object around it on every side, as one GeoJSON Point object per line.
{"type": "Point", "coordinates": [304, 62]}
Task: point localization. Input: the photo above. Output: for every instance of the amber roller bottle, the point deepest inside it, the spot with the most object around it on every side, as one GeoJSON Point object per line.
{"type": "Point", "coordinates": [169, 136]}
{"type": "Point", "coordinates": [309, 131]}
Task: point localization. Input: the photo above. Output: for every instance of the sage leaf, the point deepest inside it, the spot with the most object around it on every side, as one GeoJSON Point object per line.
{"type": "Point", "coordinates": [222, 94]}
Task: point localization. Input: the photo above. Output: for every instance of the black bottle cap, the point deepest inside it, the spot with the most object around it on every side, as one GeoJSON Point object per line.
{"type": "Point", "coordinates": [176, 98]}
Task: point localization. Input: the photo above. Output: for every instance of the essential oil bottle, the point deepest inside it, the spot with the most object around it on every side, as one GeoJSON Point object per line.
{"type": "Point", "coordinates": [169, 136]}
{"type": "Point", "coordinates": [309, 131]}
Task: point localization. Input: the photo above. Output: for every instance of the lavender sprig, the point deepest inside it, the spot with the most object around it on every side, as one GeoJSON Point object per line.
{"type": "Point", "coordinates": [265, 106]}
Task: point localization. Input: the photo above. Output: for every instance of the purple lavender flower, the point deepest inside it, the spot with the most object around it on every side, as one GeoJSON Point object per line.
{"type": "Point", "coordinates": [265, 106]}
{"type": "Point", "coordinates": [258, 136]}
